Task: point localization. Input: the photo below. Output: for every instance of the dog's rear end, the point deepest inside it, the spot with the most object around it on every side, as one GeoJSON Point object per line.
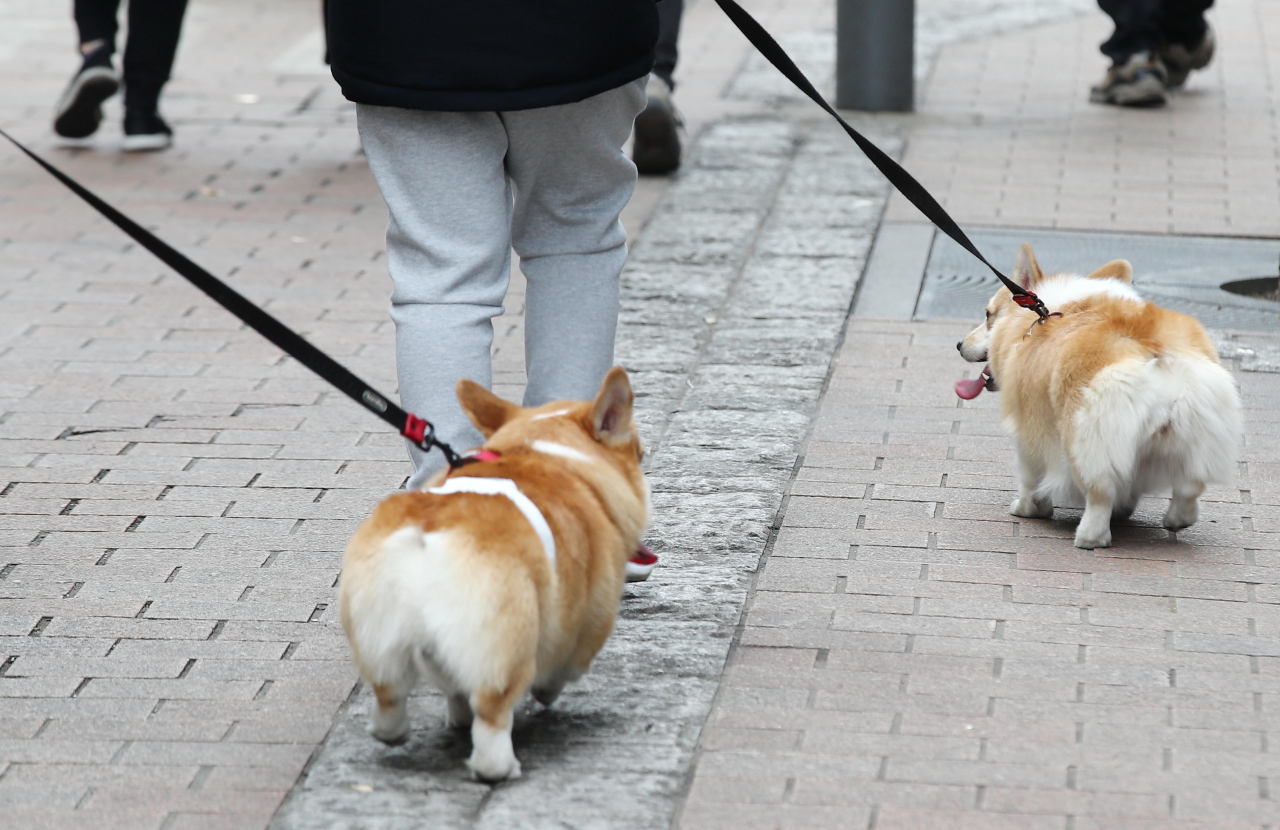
{"type": "Point", "coordinates": [463, 588]}
{"type": "Point", "coordinates": [452, 605]}
{"type": "Point", "coordinates": [1115, 399]}
{"type": "Point", "coordinates": [1168, 422]}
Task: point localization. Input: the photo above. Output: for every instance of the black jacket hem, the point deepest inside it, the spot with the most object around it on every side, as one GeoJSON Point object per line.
{"type": "Point", "coordinates": [363, 91]}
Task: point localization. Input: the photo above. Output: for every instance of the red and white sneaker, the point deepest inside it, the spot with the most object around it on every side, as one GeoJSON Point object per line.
{"type": "Point", "coordinates": [641, 565]}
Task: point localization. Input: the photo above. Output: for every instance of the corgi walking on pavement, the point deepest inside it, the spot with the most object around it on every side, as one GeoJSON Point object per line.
{"type": "Point", "coordinates": [1115, 399]}
{"type": "Point", "coordinates": [504, 575]}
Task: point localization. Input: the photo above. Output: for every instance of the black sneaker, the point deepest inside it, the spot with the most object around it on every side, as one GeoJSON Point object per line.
{"type": "Point", "coordinates": [80, 108]}
{"type": "Point", "coordinates": [145, 130]}
{"type": "Point", "coordinates": [656, 149]}
{"type": "Point", "coordinates": [1138, 82]}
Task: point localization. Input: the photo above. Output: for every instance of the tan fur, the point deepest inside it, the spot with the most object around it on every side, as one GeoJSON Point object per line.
{"type": "Point", "coordinates": [541, 629]}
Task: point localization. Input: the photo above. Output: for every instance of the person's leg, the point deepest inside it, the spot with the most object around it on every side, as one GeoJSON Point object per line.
{"type": "Point", "coordinates": [448, 251]}
{"type": "Point", "coordinates": [1137, 28]}
{"type": "Point", "coordinates": [152, 43]}
{"type": "Point", "coordinates": [656, 145]}
{"type": "Point", "coordinates": [666, 51]}
{"type": "Point", "coordinates": [1182, 21]}
{"type": "Point", "coordinates": [1187, 39]}
{"type": "Point", "coordinates": [96, 24]}
{"type": "Point", "coordinates": [572, 178]}
{"type": "Point", "coordinates": [79, 110]}
{"type": "Point", "coordinates": [1136, 77]}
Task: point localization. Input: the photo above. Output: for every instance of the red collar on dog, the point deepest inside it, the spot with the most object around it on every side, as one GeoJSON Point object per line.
{"type": "Point", "coordinates": [481, 455]}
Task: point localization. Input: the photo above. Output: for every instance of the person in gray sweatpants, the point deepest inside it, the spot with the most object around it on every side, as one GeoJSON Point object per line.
{"type": "Point", "coordinates": [491, 126]}
{"type": "Point", "coordinates": [454, 182]}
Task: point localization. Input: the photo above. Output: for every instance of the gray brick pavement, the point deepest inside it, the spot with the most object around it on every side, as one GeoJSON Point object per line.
{"type": "Point", "coordinates": [175, 494]}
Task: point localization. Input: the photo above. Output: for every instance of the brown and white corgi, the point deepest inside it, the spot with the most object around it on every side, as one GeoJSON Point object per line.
{"type": "Point", "coordinates": [1115, 399]}
{"type": "Point", "coordinates": [503, 575]}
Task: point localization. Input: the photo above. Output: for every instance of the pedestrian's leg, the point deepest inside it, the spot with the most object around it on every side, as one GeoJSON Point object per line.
{"type": "Point", "coordinates": [96, 24]}
{"type": "Point", "coordinates": [79, 110]}
{"type": "Point", "coordinates": [572, 179]}
{"type": "Point", "coordinates": [1182, 21]}
{"type": "Point", "coordinates": [1137, 77]}
{"type": "Point", "coordinates": [1137, 28]}
{"type": "Point", "coordinates": [1187, 41]}
{"type": "Point", "coordinates": [666, 50]}
{"type": "Point", "coordinates": [448, 251]}
{"type": "Point", "coordinates": [152, 43]}
{"type": "Point", "coordinates": [655, 146]}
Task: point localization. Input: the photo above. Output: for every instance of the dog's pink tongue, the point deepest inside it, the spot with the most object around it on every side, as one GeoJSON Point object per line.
{"type": "Point", "coordinates": [971, 388]}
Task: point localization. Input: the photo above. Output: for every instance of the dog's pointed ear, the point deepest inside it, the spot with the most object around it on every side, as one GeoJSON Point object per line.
{"type": "Point", "coordinates": [1116, 269]}
{"type": "Point", "coordinates": [611, 412]}
{"type": "Point", "coordinates": [485, 409]}
{"type": "Point", "coordinates": [1026, 271]}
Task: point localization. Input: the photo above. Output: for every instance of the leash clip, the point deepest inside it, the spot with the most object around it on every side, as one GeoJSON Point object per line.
{"type": "Point", "coordinates": [1033, 302]}
{"type": "Point", "coordinates": [1041, 319]}
{"type": "Point", "coordinates": [423, 435]}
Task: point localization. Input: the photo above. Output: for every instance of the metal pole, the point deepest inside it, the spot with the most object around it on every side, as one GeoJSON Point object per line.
{"type": "Point", "coordinates": [875, 54]}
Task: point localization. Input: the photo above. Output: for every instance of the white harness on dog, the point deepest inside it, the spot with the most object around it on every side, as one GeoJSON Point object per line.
{"type": "Point", "coordinates": [505, 487]}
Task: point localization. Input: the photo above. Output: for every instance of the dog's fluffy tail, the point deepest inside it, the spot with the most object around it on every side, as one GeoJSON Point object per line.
{"type": "Point", "coordinates": [430, 605]}
{"type": "Point", "coordinates": [1147, 426]}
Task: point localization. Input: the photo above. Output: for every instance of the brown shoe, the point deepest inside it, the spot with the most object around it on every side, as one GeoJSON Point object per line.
{"type": "Point", "coordinates": [1179, 60]}
{"type": "Point", "coordinates": [1138, 82]}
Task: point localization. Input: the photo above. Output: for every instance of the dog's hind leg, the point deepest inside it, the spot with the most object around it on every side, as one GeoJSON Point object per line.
{"type": "Point", "coordinates": [1094, 530]}
{"type": "Point", "coordinates": [390, 716]}
{"type": "Point", "coordinates": [493, 758]}
{"type": "Point", "coordinates": [1183, 507]}
{"type": "Point", "coordinates": [1031, 470]}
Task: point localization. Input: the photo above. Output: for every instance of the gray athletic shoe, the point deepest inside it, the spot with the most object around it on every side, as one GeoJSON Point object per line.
{"type": "Point", "coordinates": [1138, 82]}
{"type": "Point", "coordinates": [1180, 60]}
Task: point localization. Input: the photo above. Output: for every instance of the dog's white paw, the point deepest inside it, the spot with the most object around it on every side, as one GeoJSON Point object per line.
{"type": "Point", "coordinates": [1093, 539]}
{"type": "Point", "coordinates": [492, 756]}
{"type": "Point", "coordinates": [391, 727]}
{"type": "Point", "coordinates": [489, 763]}
{"type": "Point", "coordinates": [492, 772]}
{"type": "Point", "coordinates": [1180, 515]}
{"type": "Point", "coordinates": [1027, 507]}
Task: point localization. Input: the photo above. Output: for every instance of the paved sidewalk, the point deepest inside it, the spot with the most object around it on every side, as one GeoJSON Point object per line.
{"type": "Point", "coordinates": [914, 657]}
{"type": "Point", "coordinates": [174, 495]}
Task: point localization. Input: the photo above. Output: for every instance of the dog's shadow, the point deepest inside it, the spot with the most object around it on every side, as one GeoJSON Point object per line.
{"type": "Point", "coordinates": [1142, 536]}
{"type": "Point", "coordinates": [540, 734]}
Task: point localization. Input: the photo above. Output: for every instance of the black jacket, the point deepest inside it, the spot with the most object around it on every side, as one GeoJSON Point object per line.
{"type": "Point", "coordinates": [487, 54]}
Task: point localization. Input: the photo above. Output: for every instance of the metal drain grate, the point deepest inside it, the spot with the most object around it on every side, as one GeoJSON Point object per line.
{"type": "Point", "coordinates": [1180, 273]}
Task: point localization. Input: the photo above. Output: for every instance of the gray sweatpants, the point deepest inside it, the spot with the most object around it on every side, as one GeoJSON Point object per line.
{"type": "Point", "coordinates": [463, 189]}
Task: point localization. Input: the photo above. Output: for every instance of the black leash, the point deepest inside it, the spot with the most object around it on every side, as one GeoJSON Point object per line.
{"type": "Point", "coordinates": [894, 172]}
{"type": "Point", "coordinates": [417, 430]}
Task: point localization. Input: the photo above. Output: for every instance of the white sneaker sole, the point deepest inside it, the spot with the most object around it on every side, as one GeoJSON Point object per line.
{"type": "Point", "coordinates": [143, 143]}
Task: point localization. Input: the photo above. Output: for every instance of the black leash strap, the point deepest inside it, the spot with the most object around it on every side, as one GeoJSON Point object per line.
{"type": "Point", "coordinates": [417, 430]}
{"type": "Point", "coordinates": [894, 172]}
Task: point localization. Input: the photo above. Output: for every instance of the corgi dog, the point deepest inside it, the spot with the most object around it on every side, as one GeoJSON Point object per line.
{"type": "Point", "coordinates": [1114, 399]}
{"type": "Point", "coordinates": [503, 575]}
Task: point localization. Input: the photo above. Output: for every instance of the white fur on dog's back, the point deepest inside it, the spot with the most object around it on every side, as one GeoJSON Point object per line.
{"type": "Point", "coordinates": [427, 605]}
{"type": "Point", "coordinates": [1144, 426]}
{"type": "Point", "coordinates": [1064, 289]}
